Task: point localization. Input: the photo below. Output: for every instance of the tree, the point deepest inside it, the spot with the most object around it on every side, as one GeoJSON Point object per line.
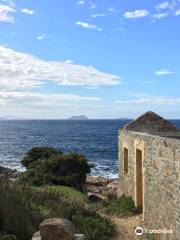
{"type": "Point", "coordinates": [38, 153]}
{"type": "Point", "coordinates": [52, 167]}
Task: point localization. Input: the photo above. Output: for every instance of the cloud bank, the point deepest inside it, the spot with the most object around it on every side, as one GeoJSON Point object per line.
{"type": "Point", "coordinates": [152, 101]}
{"type": "Point", "coordinates": [24, 71]}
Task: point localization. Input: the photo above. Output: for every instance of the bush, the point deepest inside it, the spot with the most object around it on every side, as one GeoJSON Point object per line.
{"type": "Point", "coordinates": [7, 237]}
{"type": "Point", "coordinates": [50, 167]}
{"type": "Point", "coordinates": [19, 216]}
{"type": "Point", "coordinates": [124, 205]}
{"type": "Point", "coordinates": [38, 153]}
{"type": "Point", "coordinates": [23, 208]}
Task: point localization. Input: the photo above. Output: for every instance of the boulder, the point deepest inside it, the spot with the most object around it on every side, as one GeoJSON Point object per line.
{"type": "Point", "coordinates": [92, 189]}
{"type": "Point", "coordinates": [94, 197]}
{"type": "Point", "coordinates": [7, 173]}
{"type": "Point", "coordinates": [113, 185]}
{"type": "Point", "coordinates": [56, 229]}
{"type": "Point", "coordinates": [97, 181]}
{"type": "Point", "coordinates": [36, 236]}
{"type": "Point", "coordinates": [79, 237]}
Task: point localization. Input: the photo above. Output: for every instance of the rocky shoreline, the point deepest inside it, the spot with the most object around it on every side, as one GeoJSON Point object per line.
{"type": "Point", "coordinates": [8, 173]}
{"type": "Point", "coordinates": [98, 188]}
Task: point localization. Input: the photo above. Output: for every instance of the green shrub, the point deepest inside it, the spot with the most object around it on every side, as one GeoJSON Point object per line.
{"type": "Point", "coordinates": [38, 153]}
{"type": "Point", "coordinates": [55, 168]}
{"type": "Point", "coordinates": [18, 215]}
{"type": "Point", "coordinates": [123, 205]}
{"type": "Point", "coordinates": [8, 237]}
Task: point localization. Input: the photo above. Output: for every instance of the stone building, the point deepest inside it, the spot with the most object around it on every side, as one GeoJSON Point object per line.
{"type": "Point", "coordinates": [149, 154]}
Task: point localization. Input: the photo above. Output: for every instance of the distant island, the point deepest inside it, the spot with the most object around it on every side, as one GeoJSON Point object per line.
{"type": "Point", "coordinates": [123, 118]}
{"type": "Point", "coordinates": [80, 117]}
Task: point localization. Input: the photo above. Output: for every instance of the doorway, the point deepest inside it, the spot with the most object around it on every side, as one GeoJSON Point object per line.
{"type": "Point", "coordinates": [139, 180]}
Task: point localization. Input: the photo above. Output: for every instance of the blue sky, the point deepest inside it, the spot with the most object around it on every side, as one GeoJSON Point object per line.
{"type": "Point", "coordinates": [104, 59]}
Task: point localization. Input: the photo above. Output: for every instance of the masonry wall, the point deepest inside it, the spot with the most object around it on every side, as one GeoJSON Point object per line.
{"type": "Point", "coordinates": [161, 178]}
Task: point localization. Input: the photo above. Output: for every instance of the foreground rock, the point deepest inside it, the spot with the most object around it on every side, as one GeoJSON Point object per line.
{"type": "Point", "coordinates": [56, 229]}
{"type": "Point", "coordinates": [37, 236]}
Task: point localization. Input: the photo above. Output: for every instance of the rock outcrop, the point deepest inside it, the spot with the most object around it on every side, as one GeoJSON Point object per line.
{"type": "Point", "coordinates": [97, 181]}
{"type": "Point", "coordinates": [100, 188]}
{"type": "Point", "coordinates": [94, 197]}
{"type": "Point", "coordinates": [7, 173]}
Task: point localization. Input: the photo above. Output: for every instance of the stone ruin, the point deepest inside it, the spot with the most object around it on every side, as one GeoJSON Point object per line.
{"type": "Point", "coordinates": [149, 155]}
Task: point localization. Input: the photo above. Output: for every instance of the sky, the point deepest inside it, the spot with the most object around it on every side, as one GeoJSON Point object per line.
{"type": "Point", "coordinates": [103, 59]}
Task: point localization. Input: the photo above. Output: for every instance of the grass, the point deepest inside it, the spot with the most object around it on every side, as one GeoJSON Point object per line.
{"type": "Point", "coordinates": [66, 191]}
{"type": "Point", "coordinates": [151, 237]}
{"type": "Point", "coordinates": [124, 205]}
{"type": "Point", "coordinates": [7, 237]}
{"type": "Point", "coordinates": [18, 215]}
{"type": "Point", "coordinates": [23, 208]}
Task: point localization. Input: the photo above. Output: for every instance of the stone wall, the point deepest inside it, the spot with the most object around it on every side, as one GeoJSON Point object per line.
{"type": "Point", "coordinates": [161, 178]}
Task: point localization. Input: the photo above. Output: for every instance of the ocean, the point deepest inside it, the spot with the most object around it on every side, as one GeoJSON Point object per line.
{"type": "Point", "coordinates": [96, 139]}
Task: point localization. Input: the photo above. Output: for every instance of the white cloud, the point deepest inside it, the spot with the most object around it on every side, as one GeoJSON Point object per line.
{"type": "Point", "coordinates": [177, 13]}
{"type": "Point", "coordinates": [93, 6]}
{"type": "Point", "coordinates": [88, 26]}
{"type": "Point", "coordinates": [6, 13]}
{"type": "Point", "coordinates": [20, 71]}
{"type": "Point", "coordinates": [111, 9]}
{"type": "Point", "coordinates": [136, 14]}
{"type": "Point", "coordinates": [171, 8]}
{"type": "Point", "coordinates": [160, 15]}
{"type": "Point", "coordinates": [9, 3]}
{"type": "Point", "coordinates": [27, 11]}
{"type": "Point", "coordinates": [41, 99]}
{"type": "Point", "coordinates": [162, 6]}
{"type": "Point", "coordinates": [162, 72]}
{"type": "Point", "coordinates": [148, 82]}
{"type": "Point", "coordinates": [152, 101]}
{"type": "Point", "coordinates": [42, 36]}
{"type": "Point", "coordinates": [134, 94]}
{"type": "Point", "coordinates": [98, 15]}
{"type": "Point", "coordinates": [81, 2]}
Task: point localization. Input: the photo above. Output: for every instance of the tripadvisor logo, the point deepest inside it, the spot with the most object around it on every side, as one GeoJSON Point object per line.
{"type": "Point", "coordinates": [140, 231]}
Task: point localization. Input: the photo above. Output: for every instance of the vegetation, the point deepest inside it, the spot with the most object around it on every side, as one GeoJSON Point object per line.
{"type": "Point", "coordinates": [66, 191]}
{"type": "Point", "coordinates": [18, 215]}
{"type": "Point", "coordinates": [151, 237]}
{"type": "Point", "coordinates": [49, 166]}
{"type": "Point", "coordinates": [7, 237]}
{"type": "Point", "coordinates": [37, 154]}
{"type": "Point", "coordinates": [23, 208]}
{"type": "Point", "coordinates": [124, 205]}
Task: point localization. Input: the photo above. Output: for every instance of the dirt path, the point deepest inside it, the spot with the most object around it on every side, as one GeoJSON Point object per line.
{"type": "Point", "coordinates": [126, 226]}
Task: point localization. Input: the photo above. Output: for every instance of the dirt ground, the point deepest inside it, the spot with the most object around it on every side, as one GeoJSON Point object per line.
{"type": "Point", "coordinates": [126, 227]}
